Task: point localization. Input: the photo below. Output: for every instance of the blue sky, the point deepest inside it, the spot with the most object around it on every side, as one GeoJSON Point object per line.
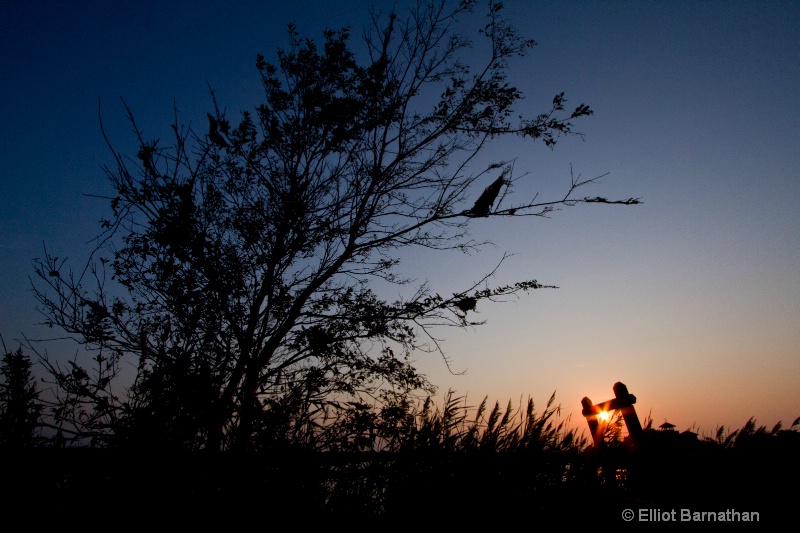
{"type": "Point", "coordinates": [692, 299]}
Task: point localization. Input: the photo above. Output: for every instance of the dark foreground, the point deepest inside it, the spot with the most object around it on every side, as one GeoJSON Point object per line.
{"type": "Point", "coordinates": [675, 481]}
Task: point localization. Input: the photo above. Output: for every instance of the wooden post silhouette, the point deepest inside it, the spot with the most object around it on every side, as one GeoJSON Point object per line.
{"type": "Point", "coordinates": [623, 400]}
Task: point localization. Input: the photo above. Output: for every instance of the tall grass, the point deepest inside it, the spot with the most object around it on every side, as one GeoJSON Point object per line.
{"type": "Point", "coordinates": [408, 459]}
{"type": "Point", "coordinates": [430, 458]}
{"type": "Point", "coordinates": [458, 427]}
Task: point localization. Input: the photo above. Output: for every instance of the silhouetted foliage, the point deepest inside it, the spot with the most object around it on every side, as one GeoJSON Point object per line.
{"type": "Point", "coordinates": [235, 270]}
{"type": "Point", "coordinates": [452, 463]}
{"type": "Point", "coordinates": [20, 409]}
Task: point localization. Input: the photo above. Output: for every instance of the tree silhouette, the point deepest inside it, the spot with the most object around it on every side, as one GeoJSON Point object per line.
{"type": "Point", "coordinates": [241, 256]}
{"type": "Point", "coordinates": [20, 408]}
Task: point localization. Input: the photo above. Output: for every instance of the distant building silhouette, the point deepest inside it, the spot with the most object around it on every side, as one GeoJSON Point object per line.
{"type": "Point", "coordinates": [666, 426]}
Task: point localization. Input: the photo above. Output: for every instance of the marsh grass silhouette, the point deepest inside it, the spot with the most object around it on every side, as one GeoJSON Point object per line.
{"type": "Point", "coordinates": [455, 463]}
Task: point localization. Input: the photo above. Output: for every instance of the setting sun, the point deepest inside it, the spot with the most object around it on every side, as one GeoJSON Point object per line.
{"type": "Point", "coordinates": [603, 416]}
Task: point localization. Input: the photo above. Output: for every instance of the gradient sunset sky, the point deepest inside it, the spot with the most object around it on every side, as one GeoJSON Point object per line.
{"type": "Point", "coordinates": [692, 299]}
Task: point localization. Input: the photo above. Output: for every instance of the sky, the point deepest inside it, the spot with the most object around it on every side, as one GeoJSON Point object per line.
{"type": "Point", "coordinates": [692, 299]}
